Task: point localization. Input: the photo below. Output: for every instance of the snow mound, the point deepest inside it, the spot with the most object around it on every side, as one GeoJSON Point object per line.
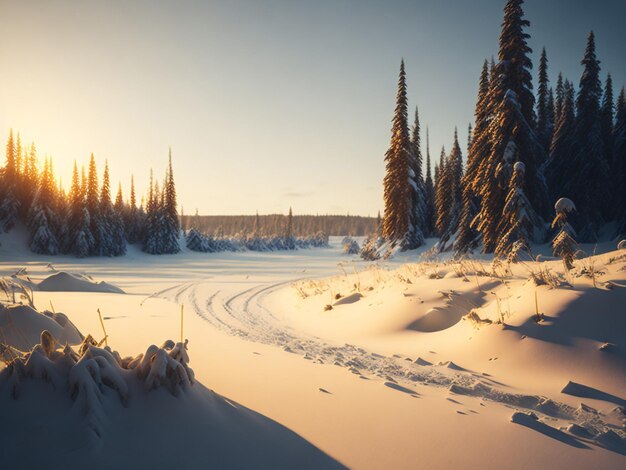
{"type": "Point", "coordinates": [521, 417]}
{"type": "Point", "coordinates": [422, 362]}
{"type": "Point", "coordinates": [90, 372]}
{"type": "Point", "coordinates": [564, 205]}
{"type": "Point", "coordinates": [88, 404]}
{"type": "Point", "coordinates": [74, 282]}
{"type": "Point", "coordinates": [451, 365]}
{"type": "Point", "coordinates": [578, 430]}
{"type": "Point", "coordinates": [21, 327]}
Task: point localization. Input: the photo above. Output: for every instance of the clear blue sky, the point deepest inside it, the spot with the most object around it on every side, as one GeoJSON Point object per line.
{"type": "Point", "coordinates": [266, 104]}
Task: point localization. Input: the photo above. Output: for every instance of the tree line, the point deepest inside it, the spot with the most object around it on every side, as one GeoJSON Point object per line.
{"type": "Point", "coordinates": [85, 221]}
{"type": "Point", "coordinates": [270, 224]}
{"type": "Point", "coordinates": [525, 151]}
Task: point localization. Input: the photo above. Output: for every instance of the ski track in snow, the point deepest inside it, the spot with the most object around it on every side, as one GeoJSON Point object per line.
{"type": "Point", "coordinates": [241, 313]}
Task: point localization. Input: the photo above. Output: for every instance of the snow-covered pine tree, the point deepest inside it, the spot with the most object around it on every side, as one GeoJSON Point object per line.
{"type": "Point", "coordinates": [607, 113]}
{"type": "Point", "coordinates": [618, 168]}
{"type": "Point", "coordinates": [543, 122]}
{"type": "Point", "coordinates": [9, 208]}
{"type": "Point", "coordinates": [588, 171]}
{"type": "Point", "coordinates": [468, 237]}
{"type": "Point", "coordinates": [550, 118]}
{"type": "Point", "coordinates": [559, 99]}
{"type": "Point", "coordinates": [152, 222]}
{"type": "Point", "coordinates": [443, 195]}
{"type": "Point", "coordinates": [118, 231]}
{"type": "Point", "coordinates": [289, 240]}
{"type": "Point", "coordinates": [196, 242]}
{"type": "Point", "coordinates": [456, 176]}
{"type": "Point", "coordinates": [564, 244]}
{"type": "Point", "coordinates": [104, 227]}
{"type": "Point", "coordinates": [9, 205]}
{"type": "Point", "coordinates": [518, 217]}
{"type": "Point", "coordinates": [92, 202]}
{"type": "Point", "coordinates": [513, 120]}
{"type": "Point", "coordinates": [83, 242]}
{"type": "Point", "coordinates": [415, 236]}
{"type": "Point", "coordinates": [43, 221]}
{"type": "Point", "coordinates": [132, 218]}
{"type": "Point", "coordinates": [561, 149]}
{"type": "Point", "coordinates": [43, 241]}
{"type": "Point", "coordinates": [448, 196]}
{"type": "Point", "coordinates": [119, 199]}
{"type": "Point", "coordinates": [429, 194]}
{"type": "Point", "coordinates": [397, 195]}
{"type": "Point", "coordinates": [171, 223]}
{"type": "Point", "coordinates": [29, 180]}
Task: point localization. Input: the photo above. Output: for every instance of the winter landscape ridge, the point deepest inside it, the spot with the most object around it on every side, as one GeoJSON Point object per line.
{"type": "Point", "coordinates": [478, 321]}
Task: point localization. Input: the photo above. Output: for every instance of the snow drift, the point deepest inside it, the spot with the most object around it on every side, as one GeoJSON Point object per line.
{"type": "Point", "coordinates": [74, 282]}
{"type": "Point", "coordinates": [87, 403]}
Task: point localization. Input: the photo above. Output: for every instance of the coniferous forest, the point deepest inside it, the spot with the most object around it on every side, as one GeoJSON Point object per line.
{"type": "Point", "coordinates": [526, 150]}
{"type": "Point", "coordinates": [86, 221]}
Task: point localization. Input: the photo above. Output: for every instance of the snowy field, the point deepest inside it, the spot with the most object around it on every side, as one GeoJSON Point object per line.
{"type": "Point", "coordinates": [315, 359]}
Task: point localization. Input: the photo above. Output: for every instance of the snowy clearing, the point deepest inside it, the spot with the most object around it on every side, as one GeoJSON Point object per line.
{"type": "Point", "coordinates": [408, 357]}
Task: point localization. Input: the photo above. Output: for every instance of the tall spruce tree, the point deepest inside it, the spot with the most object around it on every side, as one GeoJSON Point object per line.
{"type": "Point", "coordinates": [92, 203]}
{"type": "Point", "coordinates": [542, 100]}
{"type": "Point", "coordinates": [80, 240]}
{"type": "Point", "coordinates": [456, 176]}
{"type": "Point", "coordinates": [290, 239]}
{"type": "Point", "coordinates": [607, 113]}
{"type": "Point", "coordinates": [171, 223]}
{"type": "Point", "coordinates": [397, 194]}
{"type": "Point", "coordinates": [415, 237]}
{"type": "Point", "coordinates": [152, 222]}
{"type": "Point", "coordinates": [132, 220]}
{"type": "Point", "coordinates": [513, 121]}
{"type": "Point", "coordinates": [468, 237]}
{"type": "Point", "coordinates": [618, 169]}
{"type": "Point", "coordinates": [9, 197]}
{"type": "Point", "coordinates": [558, 166]}
{"type": "Point", "coordinates": [43, 220]}
{"type": "Point", "coordinates": [550, 118]}
{"type": "Point", "coordinates": [585, 182]}
{"type": "Point", "coordinates": [559, 98]}
{"type": "Point", "coordinates": [444, 198]}
{"type": "Point", "coordinates": [429, 194]}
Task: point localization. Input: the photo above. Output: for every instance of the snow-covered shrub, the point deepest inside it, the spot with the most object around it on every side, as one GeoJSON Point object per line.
{"type": "Point", "coordinates": [196, 242]}
{"type": "Point", "coordinates": [90, 370]}
{"type": "Point", "coordinates": [371, 248]}
{"type": "Point", "coordinates": [564, 245]}
{"type": "Point", "coordinates": [350, 246]}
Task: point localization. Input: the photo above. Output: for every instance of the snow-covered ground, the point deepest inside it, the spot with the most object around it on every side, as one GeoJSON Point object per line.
{"type": "Point", "coordinates": [367, 365]}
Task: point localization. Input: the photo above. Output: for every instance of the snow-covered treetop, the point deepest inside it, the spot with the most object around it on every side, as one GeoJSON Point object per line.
{"type": "Point", "coordinates": [564, 205]}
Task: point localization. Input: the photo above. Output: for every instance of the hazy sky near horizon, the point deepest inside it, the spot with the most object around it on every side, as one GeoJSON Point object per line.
{"type": "Point", "coordinates": [266, 103]}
